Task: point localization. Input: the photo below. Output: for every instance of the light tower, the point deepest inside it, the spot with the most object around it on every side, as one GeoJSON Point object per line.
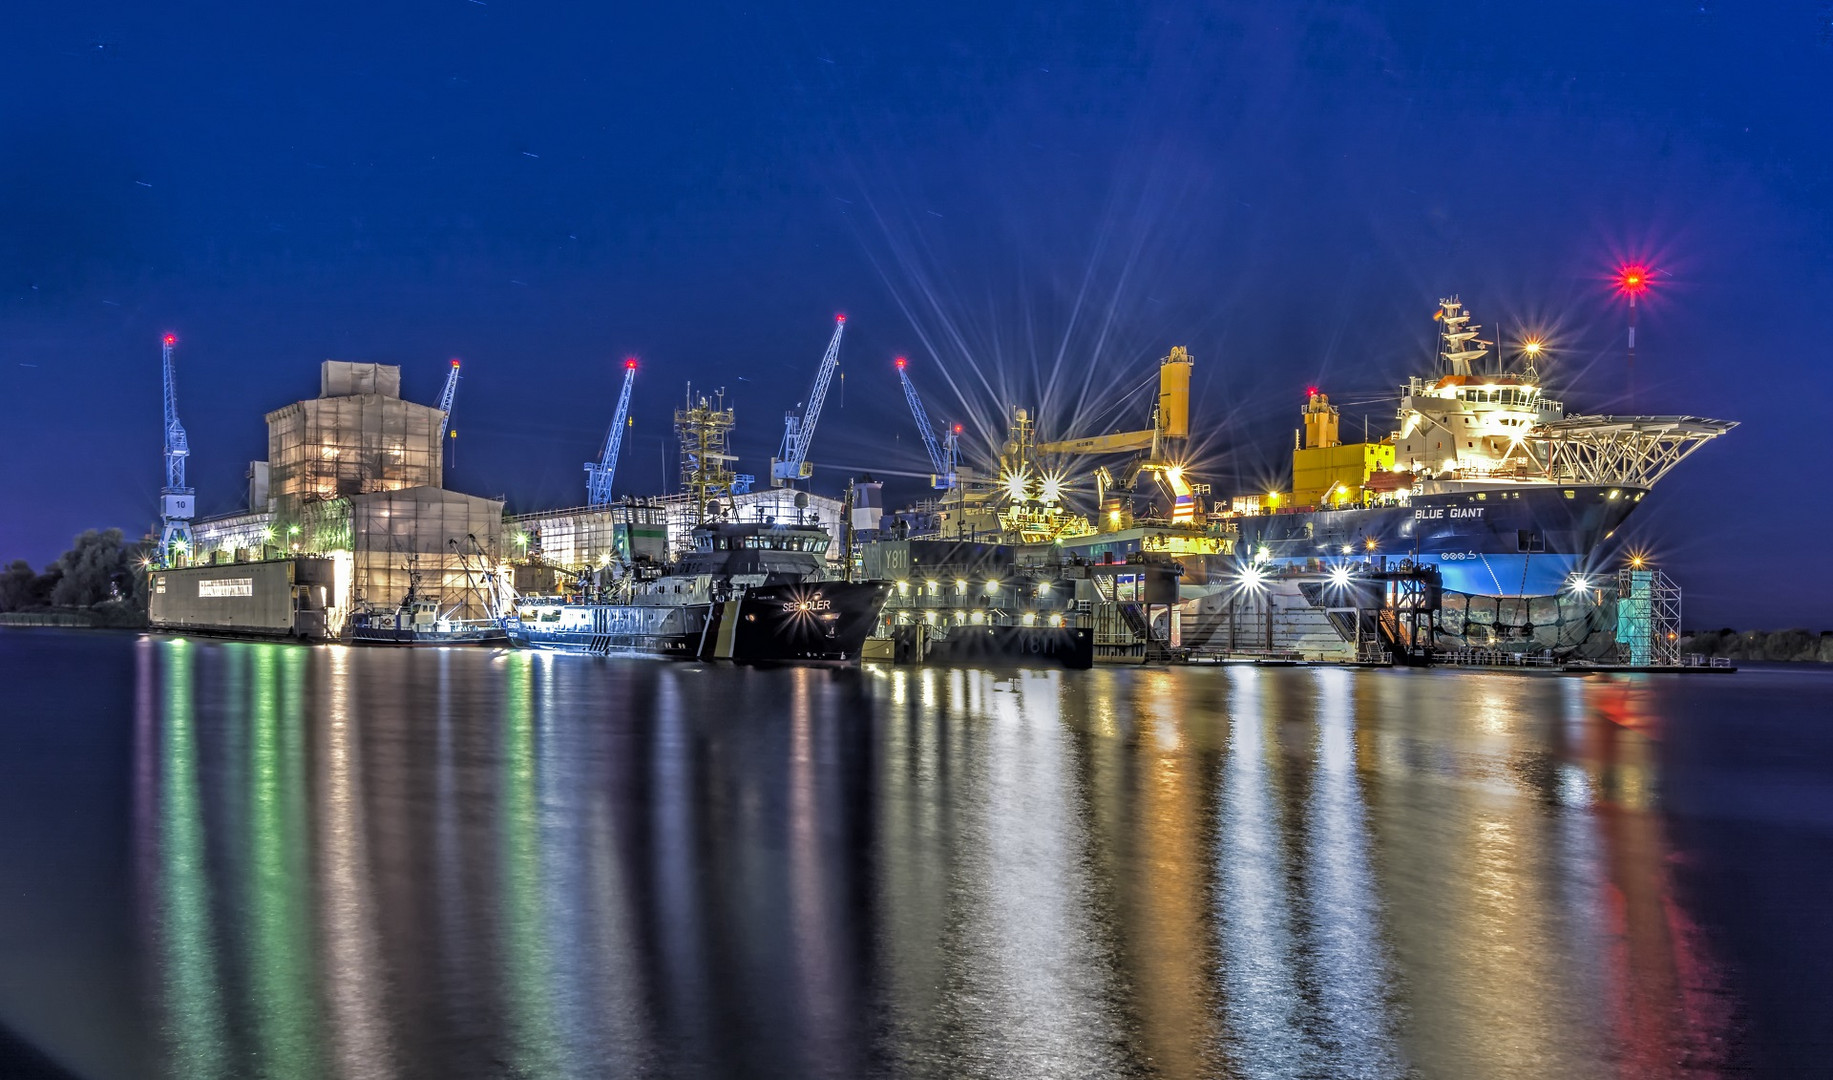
{"type": "Point", "coordinates": [1632, 282]}
{"type": "Point", "coordinates": [177, 503]}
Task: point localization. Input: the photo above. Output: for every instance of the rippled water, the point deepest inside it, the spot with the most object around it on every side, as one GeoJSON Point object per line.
{"type": "Point", "coordinates": [228, 859]}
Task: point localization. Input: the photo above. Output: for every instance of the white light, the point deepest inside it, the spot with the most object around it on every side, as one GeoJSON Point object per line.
{"type": "Point", "coordinates": [1262, 554]}
{"type": "Point", "coordinates": [1339, 576]}
{"type": "Point", "coordinates": [1253, 577]}
{"type": "Point", "coordinates": [992, 586]}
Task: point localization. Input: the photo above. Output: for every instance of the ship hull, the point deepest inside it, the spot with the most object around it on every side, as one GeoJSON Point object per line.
{"type": "Point", "coordinates": [1514, 541]}
{"type": "Point", "coordinates": [811, 622]}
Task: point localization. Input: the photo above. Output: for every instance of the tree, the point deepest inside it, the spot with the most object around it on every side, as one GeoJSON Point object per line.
{"type": "Point", "coordinates": [16, 585]}
{"type": "Point", "coordinates": [94, 569]}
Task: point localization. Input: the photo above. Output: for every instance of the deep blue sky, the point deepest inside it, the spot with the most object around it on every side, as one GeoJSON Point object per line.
{"type": "Point", "coordinates": [1286, 189]}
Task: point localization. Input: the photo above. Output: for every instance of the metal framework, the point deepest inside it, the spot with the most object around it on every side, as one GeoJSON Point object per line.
{"type": "Point", "coordinates": [704, 428]}
{"type": "Point", "coordinates": [600, 473]}
{"type": "Point", "coordinates": [791, 462]}
{"type": "Point", "coordinates": [942, 455]}
{"type": "Point", "coordinates": [1648, 619]}
{"type": "Point", "coordinates": [445, 402]}
{"type": "Point", "coordinates": [177, 502]}
{"type": "Point", "coordinates": [1635, 451]}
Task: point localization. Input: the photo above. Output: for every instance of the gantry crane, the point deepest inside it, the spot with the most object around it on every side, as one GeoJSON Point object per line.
{"type": "Point", "coordinates": [791, 463]}
{"type": "Point", "coordinates": [599, 473]}
{"type": "Point", "coordinates": [944, 454]}
{"type": "Point", "coordinates": [177, 502]}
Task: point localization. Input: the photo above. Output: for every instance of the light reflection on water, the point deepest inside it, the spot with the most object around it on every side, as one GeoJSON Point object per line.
{"type": "Point", "coordinates": [373, 864]}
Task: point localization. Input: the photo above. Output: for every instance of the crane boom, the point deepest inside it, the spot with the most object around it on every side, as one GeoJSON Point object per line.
{"type": "Point", "coordinates": [445, 403]}
{"type": "Point", "coordinates": [177, 502]}
{"type": "Point", "coordinates": [791, 462]}
{"type": "Point", "coordinates": [942, 461]}
{"type": "Point", "coordinates": [600, 473]}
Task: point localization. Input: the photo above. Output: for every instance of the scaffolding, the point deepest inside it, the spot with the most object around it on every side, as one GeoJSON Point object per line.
{"type": "Point", "coordinates": [356, 438]}
{"type": "Point", "coordinates": [704, 429]}
{"type": "Point", "coordinates": [1648, 619]}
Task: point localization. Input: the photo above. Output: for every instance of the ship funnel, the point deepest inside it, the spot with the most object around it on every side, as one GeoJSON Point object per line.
{"type": "Point", "coordinates": [1174, 394]}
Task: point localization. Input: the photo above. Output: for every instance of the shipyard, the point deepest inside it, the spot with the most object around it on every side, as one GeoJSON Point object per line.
{"type": "Point", "coordinates": [1189, 541]}
{"type": "Point", "coordinates": [1083, 548]}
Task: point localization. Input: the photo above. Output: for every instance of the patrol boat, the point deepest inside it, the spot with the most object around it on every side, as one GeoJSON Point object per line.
{"type": "Point", "coordinates": [750, 592]}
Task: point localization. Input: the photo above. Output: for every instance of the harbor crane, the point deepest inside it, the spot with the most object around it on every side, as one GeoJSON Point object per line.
{"type": "Point", "coordinates": [177, 502]}
{"type": "Point", "coordinates": [943, 454]}
{"type": "Point", "coordinates": [445, 401]}
{"type": "Point", "coordinates": [445, 406]}
{"type": "Point", "coordinates": [600, 472]}
{"type": "Point", "coordinates": [791, 463]}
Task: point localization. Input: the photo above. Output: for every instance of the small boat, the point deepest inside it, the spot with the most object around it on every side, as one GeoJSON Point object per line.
{"type": "Point", "coordinates": [417, 620]}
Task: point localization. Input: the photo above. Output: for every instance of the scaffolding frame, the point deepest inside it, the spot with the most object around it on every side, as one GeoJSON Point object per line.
{"type": "Point", "coordinates": [1648, 619]}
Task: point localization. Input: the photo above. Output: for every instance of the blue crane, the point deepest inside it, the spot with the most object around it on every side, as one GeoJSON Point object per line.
{"type": "Point", "coordinates": [445, 407]}
{"type": "Point", "coordinates": [177, 503]}
{"type": "Point", "coordinates": [791, 463]}
{"type": "Point", "coordinates": [600, 472]}
{"type": "Point", "coordinates": [943, 456]}
{"type": "Point", "coordinates": [445, 402]}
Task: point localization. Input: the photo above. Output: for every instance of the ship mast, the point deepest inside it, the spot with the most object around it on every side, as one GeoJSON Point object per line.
{"type": "Point", "coordinates": [1460, 350]}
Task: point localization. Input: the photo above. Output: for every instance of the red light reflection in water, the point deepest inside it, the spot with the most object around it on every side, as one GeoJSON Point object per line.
{"type": "Point", "coordinates": [1669, 996]}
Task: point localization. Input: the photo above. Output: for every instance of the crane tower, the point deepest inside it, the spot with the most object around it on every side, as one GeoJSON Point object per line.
{"type": "Point", "coordinates": [445, 405]}
{"type": "Point", "coordinates": [791, 464]}
{"type": "Point", "coordinates": [599, 473]}
{"type": "Point", "coordinates": [177, 502]}
{"type": "Point", "coordinates": [943, 454]}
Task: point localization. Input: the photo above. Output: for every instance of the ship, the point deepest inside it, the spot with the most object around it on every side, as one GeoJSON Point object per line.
{"type": "Point", "coordinates": [1487, 485]}
{"type": "Point", "coordinates": [756, 592]}
{"type": "Point", "coordinates": [420, 620]}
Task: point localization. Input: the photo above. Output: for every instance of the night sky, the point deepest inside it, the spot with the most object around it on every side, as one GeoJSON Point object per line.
{"type": "Point", "coordinates": [1033, 206]}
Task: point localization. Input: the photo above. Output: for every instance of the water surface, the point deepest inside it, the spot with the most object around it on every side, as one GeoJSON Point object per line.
{"type": "Point", "coordinates": [228, 859]}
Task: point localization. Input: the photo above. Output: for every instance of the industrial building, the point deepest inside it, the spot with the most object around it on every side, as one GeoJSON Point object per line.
{"type": "Point", "coordinates": [355, 475]}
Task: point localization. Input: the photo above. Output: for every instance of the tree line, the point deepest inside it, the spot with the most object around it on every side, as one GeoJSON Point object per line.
{"type": "Point", "coordinates": [102, 574]}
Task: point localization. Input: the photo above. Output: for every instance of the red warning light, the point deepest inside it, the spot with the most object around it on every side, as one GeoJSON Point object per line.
{"type": "Point", "coordinates": [957, 429]}
{"type": "Point", "coordinates": [171, 339]}
{"type": "Point", "coordinates": [840, 318]}
{"type": "Point", "coordinates": [1311, 391]}
{"type": "Point", "coordinates": [900, 363]}
{"type": "Point", "coordinates": [455, 361]}
{"type": "Point", "coordinates": [630, 364]}
{"type": "Point", "coordinates": [1632, 279]}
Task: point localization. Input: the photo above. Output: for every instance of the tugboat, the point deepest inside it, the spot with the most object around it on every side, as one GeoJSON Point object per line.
{"type": "Point", "coordinates": [749, 592]}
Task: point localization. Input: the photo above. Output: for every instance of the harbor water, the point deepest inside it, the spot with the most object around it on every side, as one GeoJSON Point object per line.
{"type": "Point", "coordinates": [225, 859]}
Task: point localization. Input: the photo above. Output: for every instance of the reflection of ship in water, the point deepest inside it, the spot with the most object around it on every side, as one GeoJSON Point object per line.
{"type": "Point", "coordinates": [1244, 871]}
{"type": "Point", "coordinates": [1488, 487]}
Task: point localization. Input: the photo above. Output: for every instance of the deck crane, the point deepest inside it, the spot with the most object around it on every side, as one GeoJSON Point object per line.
{"type": "Point", "coordinates": [944, 454]}
{"type": "Point", "coordinates": [177, 502]}
{"type": "Point", "coordinates": [791, 463]}
{"type": "Point", "coordinates": [445, 406]}
{"type": "Point", "coordinates": [600, 472]}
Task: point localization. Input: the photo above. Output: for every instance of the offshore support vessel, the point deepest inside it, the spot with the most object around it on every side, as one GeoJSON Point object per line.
{"type": "Point", "coordinates": [1487, 478]}
{"type": "Point", "coordinates": [751, 592]}
{"type": "Point", "coordinates": [1488, 487]}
